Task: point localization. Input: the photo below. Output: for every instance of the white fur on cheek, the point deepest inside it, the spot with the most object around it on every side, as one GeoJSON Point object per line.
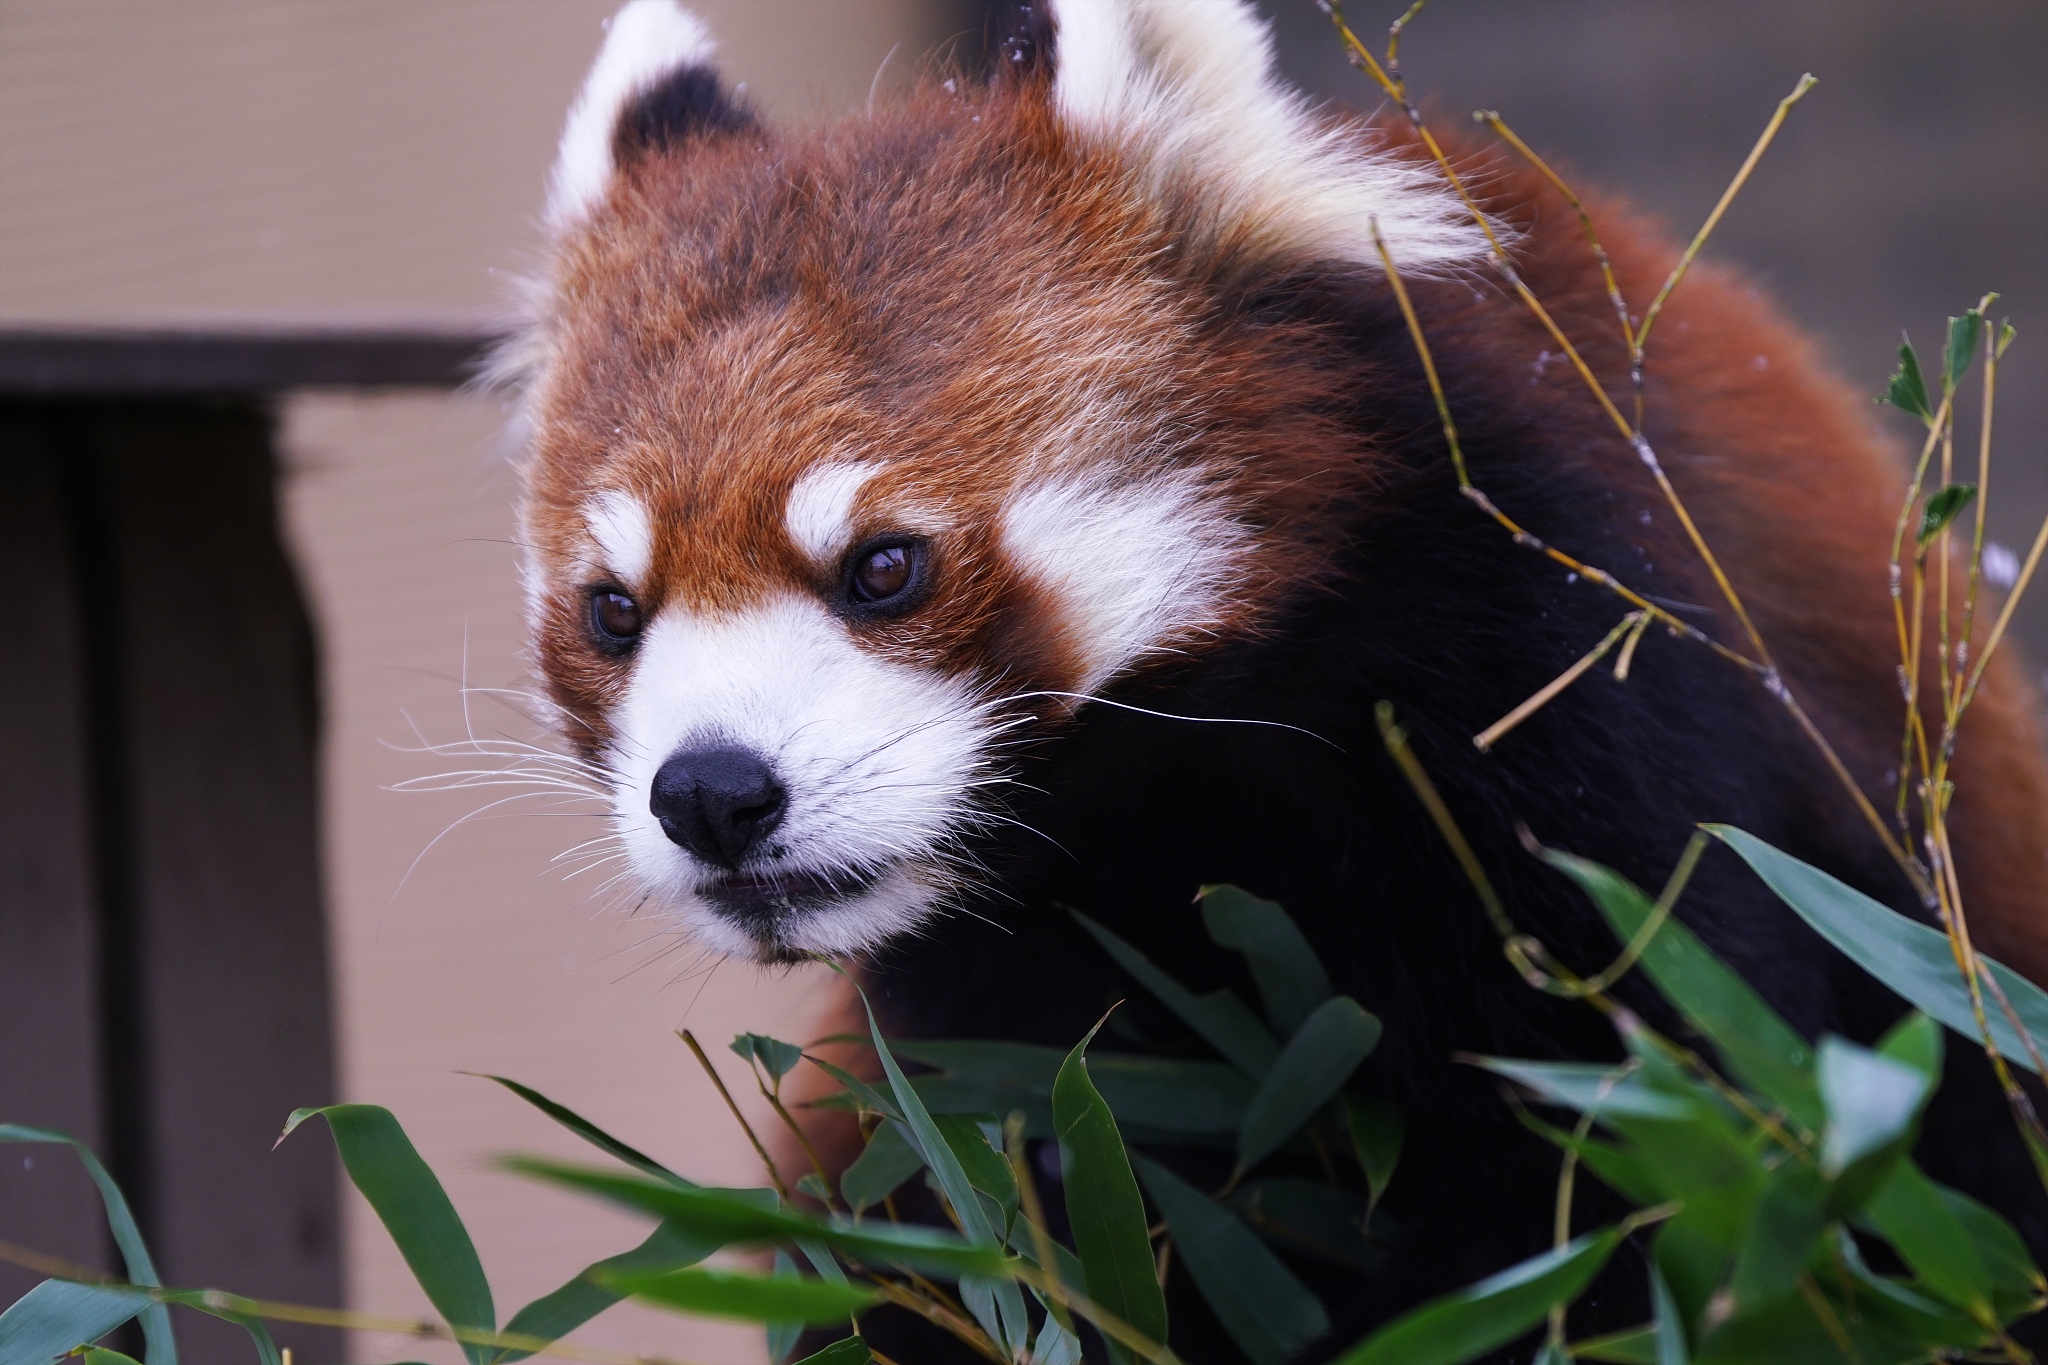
{"type": "Point", "coordinates": [819, 516]}
{"type": "Point", "coordinates": [880, 762]}
{"type": "Point", "coordinates": [1135, 567]}
{"type": "Point", "coordinates": [1186, 89]}
{"type": "Point", "coordinates": [619, 524]}
{"type": "Point", "coordinates": [645, 41]}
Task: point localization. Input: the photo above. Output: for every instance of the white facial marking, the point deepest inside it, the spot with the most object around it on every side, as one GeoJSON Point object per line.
{"type": "Point", "coordinates": [625, 539]}
{"type": "Point", "coordinates": [1186, 89]}
{"type": "Point", "coordinates": [880, 762]}
{"type": "Point", "coordinates": [645, 41]}
{"type": "Point", "coordinates": [1135, 567]}
{"type": "Point", "coordinates": [819, 516]}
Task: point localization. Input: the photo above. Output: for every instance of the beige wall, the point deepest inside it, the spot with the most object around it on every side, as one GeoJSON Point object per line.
{"type": "Point", "coordinates": [173, 159]}
{"type": "Point", "coordinates": [188, 160]}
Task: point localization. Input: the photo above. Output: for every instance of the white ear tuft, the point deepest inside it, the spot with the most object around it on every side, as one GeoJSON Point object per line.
{"type": "Point", "coordinates": [644, 42]}
{"type": "Point", "coordinates": [1186, 89]}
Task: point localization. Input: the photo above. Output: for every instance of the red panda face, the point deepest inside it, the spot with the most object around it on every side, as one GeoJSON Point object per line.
{"type": "Point", "coordinates": [862, 457]}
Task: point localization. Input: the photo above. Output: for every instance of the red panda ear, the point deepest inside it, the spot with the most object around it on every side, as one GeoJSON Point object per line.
{"type": "Point", "coordinates": [1186, 91]}
{"type": "Point", "coordinates": [652, 86]}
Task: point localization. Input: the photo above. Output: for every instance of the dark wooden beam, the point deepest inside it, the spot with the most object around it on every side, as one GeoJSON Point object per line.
{"type": "Point", "coordinates": [62, 362]}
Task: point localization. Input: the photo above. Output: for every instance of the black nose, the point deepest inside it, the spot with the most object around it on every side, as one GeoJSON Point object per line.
{"type": "Point", "coordinates": [718, 803]}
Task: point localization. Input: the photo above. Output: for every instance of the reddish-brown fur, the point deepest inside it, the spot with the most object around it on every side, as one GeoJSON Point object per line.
{"type": "Point", "coordinates": [1018, 291]}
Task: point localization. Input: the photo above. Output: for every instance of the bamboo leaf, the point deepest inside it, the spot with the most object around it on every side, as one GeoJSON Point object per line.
{"type": "Point", "coordinates": [1219, 1017]}
{"type": "Point", "coordinates": [585, 1129]}
{"type": "Point", "coordinates": [1266, 1310]}
{"type": "Point", "coordinates": [1377, 1128]}
{"type": "Point", "coordinates": [1318, 1059]}
{"type": "Point", "coordinates": [1758, 1046]}
{"type": "Point", "coordinates": [57, 1315]}
{"type": "Point", "coordinates": [751, 1218]}
{"type": "Point", "coordinates": [1941, 508]}
{"type": "Point", "coordinates": [1591, 1088]}
{"type": "Point", "coordinates": [1963, 335]}
{"type": "Point", "coordinates": [415, 1211]}
{"type": "Point", "coordinates": [1002, 1312]}
{"type": "Point", "coordinates": [747, 1298]}
{"type": "Point", "coordinates": [1907, 390]}
{"type": "Point", "coordinates": [161, 1342]}
{"type": "Point", "coordinates": [1291, 980]}
{"type": "Point", "coordinates": [1103, 1204]}
{"type": "Point", "coordinates": [1669, 1323]}
{"type": "Point", "coordinates": [847, 1351]}
{"type": "Point", "coordinates": [1465, 1325]}
{"type": "Point", "coordinates": [1924, 1229]}
{"type": "Point", "coordinates": [883, 1165]}
{"type": "Point", "coordinates": [1907, 956]}
{"type": "Point", "coordinates": [1872, 1101]}
{"type": "Point", "coordinates": [776, 1057]}
{"type": "Point", "coordinates": [554, 1315]}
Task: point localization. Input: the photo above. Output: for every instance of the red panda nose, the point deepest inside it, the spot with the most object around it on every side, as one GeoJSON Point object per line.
{"type": "Point", "coordinates": [718, 803]}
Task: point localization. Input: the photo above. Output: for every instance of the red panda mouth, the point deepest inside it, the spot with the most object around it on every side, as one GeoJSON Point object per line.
{"type": "Point", "coordinates": [761, 898]}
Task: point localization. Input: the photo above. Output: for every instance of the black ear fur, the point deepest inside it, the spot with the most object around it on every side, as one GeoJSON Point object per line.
{"type": "Point", "coordinates": [689, 102]}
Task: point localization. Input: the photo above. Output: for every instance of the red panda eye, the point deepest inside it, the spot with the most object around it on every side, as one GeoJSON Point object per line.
{"type": "Point", "coordinates": [614, 616]}
{"type": "Point", "coordinates": [885, 573]}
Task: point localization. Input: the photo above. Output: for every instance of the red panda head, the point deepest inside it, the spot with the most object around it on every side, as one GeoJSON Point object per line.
{"type": "Point", "coordinates": [863, 455]}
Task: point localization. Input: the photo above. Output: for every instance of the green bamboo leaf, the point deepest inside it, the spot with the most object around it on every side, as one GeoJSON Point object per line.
{"type": "Point", "coordinates": [1669, 1337]}
{"type": "Point", "coordinates": [986, 1169]}
{"type": "Point", "coordinates": [57, 1315]}
{"type": "Point", "coordinates": [1467, 1324]}
{"type": "Point", "coordinates": [1693, 1260]}
{"type": "Point", "coordinates": [409, 1201]}
{"type": "Point", "coordinates": [1924, 1229]}
{"type": "Point", "coordinates": [1764, 1052]}
{"type": "Point", "coordinates": [1941, 508]}
{"type": "Point", "coordinates": [555, 1315]}
{"type": "Point", "coordinates": [866, 1095]}
{"type": "Point", "coordinates": [1623, 1171]}
{"type": "Point", "coordinates": [1787, 1227]}
{"type": "Point", "coordinates": [217, 1306]}
{"type": "Point", "coordinates": [1592, 1088]}
{"type": "Point", "coordinates": [1222, 1020]}
{"type": "Point", "coordinates": [1872, 1102]}
{"type": "Point", "coordinates": [1907, 956]}
{"type": "Point", "coordinates": [748, 1298]}
{"type": "Point", "coordinates": [160, 1342]}
{"type": "Point", "coordinates": [1054, 1345]}
{"type": "Point", "coordinates": [585, 1129]}
{"type": "Point", "coordinates": [1636, 1346]}
{"type": "Point", "coordinates": [1290, 978]}
{"type": "Point", "coordinates": [1963, 335]}
{"type": "Point", "coordinates": [783, 1336]}
{"type": "Point", "coordinates": [1266, 1311]}
{"type": "Point", "coordinates": [1308, 1217]}
{"type": "Point", "coordinates": [1377, 1128]}
{"type": "Point", "coordinates": [1907, 390]}
{"type": "Point", "coordinates": [751, 1218]}
{"type": "Point", "coordinates": [997, 1306]}
{"type": "Point", "coordinates": [847, 1351]}
{"type": "Point", "coordinates": [776, 1057]}
{"type": "Point", "coordinates": [883, 1165]}
{"type": "Point", "coordinates": [100, 1355]}
{"type": "Point", "coordinates": [1318, 1059]}
{"type": "Point", "coordinates": [1103, 1204]}
{"type": "Point", "coordinates": [1163, 1093]}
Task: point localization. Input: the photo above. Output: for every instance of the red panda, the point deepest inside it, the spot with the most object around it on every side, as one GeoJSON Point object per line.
{"type": "Point", "coordinates": [1017, 496]}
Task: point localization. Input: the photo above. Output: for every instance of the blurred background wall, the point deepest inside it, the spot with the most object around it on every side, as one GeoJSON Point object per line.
{"type": "Point", "coordinates": [241, 604]}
